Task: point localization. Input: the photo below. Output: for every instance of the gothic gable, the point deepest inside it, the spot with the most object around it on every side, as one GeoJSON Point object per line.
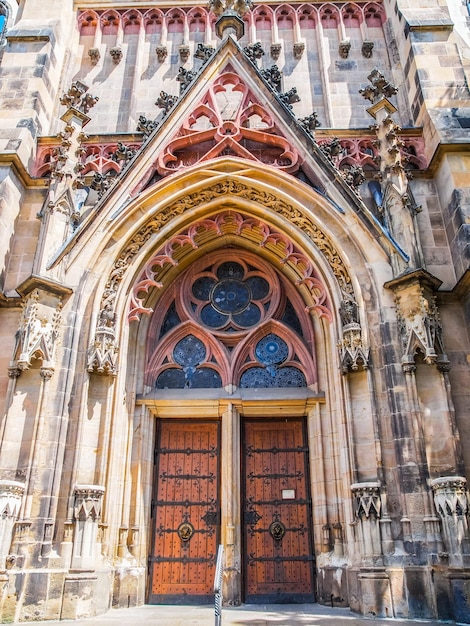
{"type": "Point", "coordinates": [230, 120]}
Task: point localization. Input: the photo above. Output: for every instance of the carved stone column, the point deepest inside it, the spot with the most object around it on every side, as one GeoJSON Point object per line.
{"type": "Point", "coordinates": [367, 509]}
{"type": "Point", "coordinates": [11, 493]}
{"type": "Point", "coordinates": [451, 502]}
{"type": "Point", "coordinates": [87, 515]}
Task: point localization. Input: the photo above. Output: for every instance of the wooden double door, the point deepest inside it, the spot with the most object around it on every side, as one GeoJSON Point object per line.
{"type": "Point", "coordinates": [277, 545]}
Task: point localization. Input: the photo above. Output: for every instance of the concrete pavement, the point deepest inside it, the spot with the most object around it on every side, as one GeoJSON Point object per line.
{"type": "Point", "coordinates": [246, 615]}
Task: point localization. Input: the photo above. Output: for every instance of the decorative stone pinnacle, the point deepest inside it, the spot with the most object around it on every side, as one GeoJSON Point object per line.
{"type": "Point", "coordinates": [77, 98]}
{"type": "Point", "coordinates": [380, 87]}
{"type": "Point", "coordinates": [230, 13]}
{"type": "Point", "coordinates": [239, 7]}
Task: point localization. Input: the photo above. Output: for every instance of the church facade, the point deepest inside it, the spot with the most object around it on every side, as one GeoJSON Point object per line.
{"type": "Point", "coordinates": [234, 305]}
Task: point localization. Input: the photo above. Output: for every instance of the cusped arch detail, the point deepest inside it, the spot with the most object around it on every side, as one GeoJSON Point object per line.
{"type": "Point", "coordinates": [297, 355]}
{"type": "Point", "coordinates": [236, 226]}
{"type": "Point", "coordinates": [163, 358]}
{"type": "Point", "coordinates": [177, 221]}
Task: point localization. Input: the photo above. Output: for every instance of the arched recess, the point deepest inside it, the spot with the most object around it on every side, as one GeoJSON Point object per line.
{"type": "Point", "coordinates": [175, 228]}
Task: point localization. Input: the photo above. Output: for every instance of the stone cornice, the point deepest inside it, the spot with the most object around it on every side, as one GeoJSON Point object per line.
{"type": "Point", "coordinates": [45, 284]}
{"type": "Point", "coordinates": [443, 149]}
{"type": "Point", "coordinates": [11, 158]}
{"type": "Point", "coordinates": [420, 275]}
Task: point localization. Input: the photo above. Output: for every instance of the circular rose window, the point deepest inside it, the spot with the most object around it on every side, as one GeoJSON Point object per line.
{"type": "Point", "coordinates": [230, 295]}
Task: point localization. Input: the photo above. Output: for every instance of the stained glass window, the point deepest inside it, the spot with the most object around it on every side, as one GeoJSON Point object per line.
{"type": "Point", "coordinates": [271, 351]}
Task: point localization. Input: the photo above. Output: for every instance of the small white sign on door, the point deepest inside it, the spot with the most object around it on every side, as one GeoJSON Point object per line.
{"type": "Point", "coordinates": [288, 494]}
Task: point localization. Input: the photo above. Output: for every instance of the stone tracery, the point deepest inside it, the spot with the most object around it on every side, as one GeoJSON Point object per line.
{"type": "Point", "coordinates": [227, 223]}
{"type": "Point", "coordinates": [227, 345]}
{"type": "Point", "coordinates": [229, 120]}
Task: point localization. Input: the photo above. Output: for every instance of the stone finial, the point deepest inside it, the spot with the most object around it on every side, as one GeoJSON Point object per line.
{"type": "Point", "coordinates": [77, 98]}
{"type": "Point", "coordinates": [230, 13]}
{"type": "Point", "coordinates": [379, 88]}
{"type": "Point", "coordinates": [239, 7]}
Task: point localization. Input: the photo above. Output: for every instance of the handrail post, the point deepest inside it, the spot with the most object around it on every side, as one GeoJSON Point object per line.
{"type": "Point", "coordinates": [219, 570]}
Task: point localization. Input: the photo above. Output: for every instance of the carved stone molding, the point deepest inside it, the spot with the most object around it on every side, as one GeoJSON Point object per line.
{"type": "Point", "coordinates": [367, 503]}
{"type": "Point", "coordinates": [298, 50]}
{"type": "Point", "coordinates": [276, 51]}
{"type": "Point", "coordinates": [344, 48]}
{"type": "Point", "coordinates": [94, 55]}
{"type": "Point", "coordinates": [451, 502]}
{"type": "Point", "coordinates": [418, 318]}
{"type": "Point", "coordinates": [221, 190]}
{"type": "Point", "coordinates": [11, 493]}
{"type": "Point", "coordinates": [226, 223]}
{"type": "Point", "coordinates": [37, 334]}
{"type": "Point", "coordinates": [162, 53]}
{"type": "Point", "coordinates": [450, 496]}
{"type": "Point", "coordinates": [88, 500]}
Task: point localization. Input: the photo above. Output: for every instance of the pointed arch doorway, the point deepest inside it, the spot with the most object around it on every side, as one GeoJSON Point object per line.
{"type": "Point", "coordinates": [231, 364]}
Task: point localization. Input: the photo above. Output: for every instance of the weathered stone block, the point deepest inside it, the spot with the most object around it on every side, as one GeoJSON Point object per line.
{"type": "Point", "coordinates": [419, 593]}
{"type": "Point", "coordinates": [376, 597]}
{"type": "Point", "coordinates": [460, 595]}
{"type": "Point", "coordinates": [332, 586]}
